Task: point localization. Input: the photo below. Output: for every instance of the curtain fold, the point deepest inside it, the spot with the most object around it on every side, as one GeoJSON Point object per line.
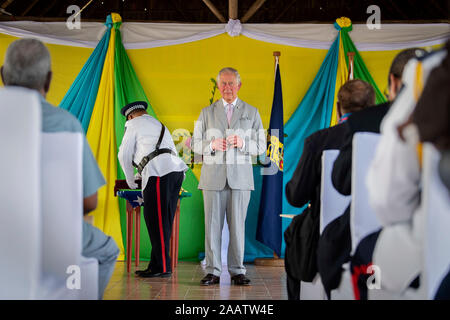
{"type": "Point", "coordinates": [80, 97]}
{"type": "Point", "coordinates": [101, 137]}
{"type": "Point", "coordinates": [313, 113]}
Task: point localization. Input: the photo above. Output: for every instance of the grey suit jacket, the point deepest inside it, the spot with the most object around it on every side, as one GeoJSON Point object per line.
{"type": "Point", "coordinates": [233, 165]}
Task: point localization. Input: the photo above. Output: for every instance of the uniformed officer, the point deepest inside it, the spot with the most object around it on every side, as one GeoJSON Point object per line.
{"type": "Point", "coordinates": [147, 145]}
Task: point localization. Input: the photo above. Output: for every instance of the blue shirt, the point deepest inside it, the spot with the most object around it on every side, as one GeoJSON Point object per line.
{"type": "Point", "coordinates": [59, 120]}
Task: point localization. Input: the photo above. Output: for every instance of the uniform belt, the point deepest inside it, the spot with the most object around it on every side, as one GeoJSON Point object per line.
{"type": "Point", "coordinates": [155, 153]}
{"type": "Point", "coordinates": [149, 157]}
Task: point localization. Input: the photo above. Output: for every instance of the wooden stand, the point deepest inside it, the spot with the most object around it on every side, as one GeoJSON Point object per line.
{"type": "Point", "coordinates": [270, 262]}
{"type": "Point", "coordinates": [131, 213]}
{"type": "Point", "coordinates": [134, 215]}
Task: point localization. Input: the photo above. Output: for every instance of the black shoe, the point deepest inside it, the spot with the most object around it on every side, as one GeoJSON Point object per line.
{"type": "Point", "coordinates": [139, 272]}
{"type": "Point", "coordinates": [151, 274]}
{"type": "Point", "coordinates": [240, 280]}
{"type": "Point", "coordinates": [210, 279]}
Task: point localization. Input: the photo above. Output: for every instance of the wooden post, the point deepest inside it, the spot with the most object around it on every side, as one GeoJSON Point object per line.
{"type": "Point", "coordinates": [351, 56]}
{"type": "Point", "coordinates": [251, 11]}
{"type": "Point", "coordinates": [137, 235]}
{"type": "Point", "coordinates": [277, 55]}
{"type": "Point", "coordinates": [275, 261]}
{"type": "Point", "coordinates": [233, 9]}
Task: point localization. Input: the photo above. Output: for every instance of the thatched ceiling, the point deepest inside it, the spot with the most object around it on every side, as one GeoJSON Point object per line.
{"type": "Point", "coordinates": [197, 11]}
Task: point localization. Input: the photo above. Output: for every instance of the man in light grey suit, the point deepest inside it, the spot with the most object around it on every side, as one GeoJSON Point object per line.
{"type": "Point", "coordinates": [229, 135]}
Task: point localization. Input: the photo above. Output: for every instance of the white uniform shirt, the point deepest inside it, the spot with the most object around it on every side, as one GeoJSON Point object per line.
{"type": "Point", "coordinates": [140, 138]}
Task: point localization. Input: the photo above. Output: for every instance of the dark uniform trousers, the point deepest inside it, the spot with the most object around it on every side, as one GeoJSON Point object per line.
{"type": "Point", "coordinates": [160, 204]}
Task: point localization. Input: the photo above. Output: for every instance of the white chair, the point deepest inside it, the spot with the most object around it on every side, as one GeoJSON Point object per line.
{"type": "Point", "coordinates": [345, 289]}
{"type": "Point", "coordinates": [436, 203]}
{"type": "Point", "coordinates": [312, 290]}
{"type": "Point", "coordinates": [20, 202]}
{"type": "Point", "coordinates": [363, 220]}
{"type": "Point", "coordinates": [62, 203]}
{"type": "Point", "coordinates": [332, 203]}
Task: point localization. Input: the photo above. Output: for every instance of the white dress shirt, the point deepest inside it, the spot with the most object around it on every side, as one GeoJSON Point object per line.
{"type": "Point", "coordinates": [140, 138]}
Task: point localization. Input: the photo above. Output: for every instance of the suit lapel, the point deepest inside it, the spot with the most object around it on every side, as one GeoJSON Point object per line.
{"type": "Point", "coordinates": [219, 114]}
{"type": "Point", "coordinates": [237, 112]}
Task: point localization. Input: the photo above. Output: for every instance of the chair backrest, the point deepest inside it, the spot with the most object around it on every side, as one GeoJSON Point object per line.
{"type": "Point", "coordinates": [20, 202]}
{"type": "Point", "coordinates": [62, 202]}
{"type": "Point", "coordinates": [363, 220]}
{"type": "Point", "coordinates": [436, 203]}
{"type": "Point", "coordinates": [332, 203]}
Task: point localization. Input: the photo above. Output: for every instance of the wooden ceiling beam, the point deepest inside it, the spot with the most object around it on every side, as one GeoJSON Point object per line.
{"type": "Point", "coordinates": [29, 8]}
{"type": "Point", "coordinates": [232, 9]}
{"type": "Point", "coordinates": [48, 8]}
{"type": "Point", "coordinates": [399, 10]}
{"type": "Point", "coordinates": [7, 3]}
{"type": "Point", "coordinates": [284, 11]}
{"type": "Point", "coordinates": [177, 8]}
{"type": "Point", "coordinates": [214, 10]}
{"type": "Point", "coordinates": [251, 11]}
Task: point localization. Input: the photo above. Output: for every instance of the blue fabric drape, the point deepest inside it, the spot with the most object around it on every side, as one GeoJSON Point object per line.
{"type": "Point", "coordinates": [80, 98]}
{"type": "Point", "coordinates": [312, 114]}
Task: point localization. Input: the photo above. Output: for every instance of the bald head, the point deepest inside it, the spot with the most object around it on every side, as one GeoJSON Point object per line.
{"type": "Point", "coordinates": [27, 64]}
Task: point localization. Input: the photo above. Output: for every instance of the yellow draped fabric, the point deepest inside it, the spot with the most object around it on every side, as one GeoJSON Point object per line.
{"type": "Point", "coordinates": [101, 137]}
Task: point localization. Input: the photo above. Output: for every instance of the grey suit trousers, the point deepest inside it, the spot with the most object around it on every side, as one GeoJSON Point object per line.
{"type": "Point", "coordinates": [233, 203]}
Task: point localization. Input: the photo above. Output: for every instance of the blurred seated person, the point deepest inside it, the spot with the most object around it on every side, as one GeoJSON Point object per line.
{"type": "Point", "coordinates": [394, 186]}
{"type": "Point", "coordinates": [27, 64]}
{"type": "Point", "coordinates": [305, 184]}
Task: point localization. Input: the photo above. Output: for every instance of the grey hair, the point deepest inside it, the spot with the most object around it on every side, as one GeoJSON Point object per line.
{"type": "Point", "coordinates": [27, 64]}
{"type": "Point", "coordinates": [229, 70]}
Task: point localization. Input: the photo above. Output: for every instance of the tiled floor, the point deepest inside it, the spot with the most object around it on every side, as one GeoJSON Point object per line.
{"type": "Point", "coordinates": [268, 283]}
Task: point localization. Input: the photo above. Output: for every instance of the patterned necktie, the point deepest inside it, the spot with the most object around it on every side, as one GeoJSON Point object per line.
{"type": "Point", "coordinates": [229, 112]}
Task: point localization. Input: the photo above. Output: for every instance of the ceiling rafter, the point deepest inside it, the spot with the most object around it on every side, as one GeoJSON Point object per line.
{"type": "Point", "coordinates": [48, 8]}
{"type": "Point", "coordinates": [6, 4]}
{"type": "Point", "coordinates": [286, 9]}
{"type": "Point", "coordinates": [29, 8]}
{"type": "Point", "coordinates": [179, 10]}
{"type": "Point", "coordinates": [250, 12]}
{"type": "Point", "coordinates": [214, 10]}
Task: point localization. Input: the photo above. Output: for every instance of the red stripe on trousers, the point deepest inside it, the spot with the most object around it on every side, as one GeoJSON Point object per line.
{"type": "Point", "coordinates": [161, 231]}
{"type": "Point", "coordinates": [357, 272]}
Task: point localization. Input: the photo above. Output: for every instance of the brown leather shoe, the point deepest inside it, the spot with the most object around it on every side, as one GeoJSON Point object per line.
{"type": "Point", "coordinates": [210, 279]}
{"type": "Point", "coordinates": [240, 280]}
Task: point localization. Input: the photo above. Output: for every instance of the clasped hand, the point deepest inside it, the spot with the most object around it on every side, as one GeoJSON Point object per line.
{"type": "Point", "coordinates": [233, 141]}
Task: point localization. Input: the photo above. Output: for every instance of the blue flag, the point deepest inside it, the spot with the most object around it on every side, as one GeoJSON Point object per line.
{"type": "Point", "coordinates": [134, 197]}
{"type": "Point", "coordinates": [270, 208]}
